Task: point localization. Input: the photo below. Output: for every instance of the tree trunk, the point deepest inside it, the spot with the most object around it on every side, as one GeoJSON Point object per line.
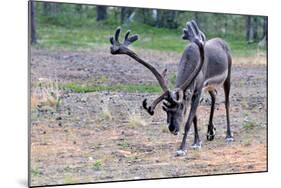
{"type": "Point", "coordinates": [46, 8]}
{"type": "Point", "coordinates": [225, 26]}
{"type": "Point", "coordinates": [255, 29]}
{"type": "Point", "coordinates": [264, 33]}
{"type": "Point", "coordinates": [79, 10]}
{"type": "Point", "coordinates": [101, 13]}
{"type": "Point", "coordinates": [167, 19]}
{"type": "Point", "coordinates": [33, 23]}
{"type": "Point", "coordinates": [249, 29]}
{"type": "Point", "coordinates": [125, 14]}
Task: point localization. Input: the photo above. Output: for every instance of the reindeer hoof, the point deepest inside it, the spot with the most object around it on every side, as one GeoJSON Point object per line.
{"type": "Point", "coordinates": [197, 145]}
{"type": "Point", "coordinates": [210, 137]}
{"type": "Point", "coordinates": [180, 152]}
{"type": "Point", "coordinates": [211, 134]}
{"type": "Point", "coordinates": [229, 139]}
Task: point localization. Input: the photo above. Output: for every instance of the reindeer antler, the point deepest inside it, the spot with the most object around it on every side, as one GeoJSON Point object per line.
{"type": "Point", "coordinates": [192, 31]}
{"type": "Point", "coordinates": [122, 48]}
{"type": "Point", "coordinates": [117, 47]}
{"type": "Point", "coordinates": [194, 34]}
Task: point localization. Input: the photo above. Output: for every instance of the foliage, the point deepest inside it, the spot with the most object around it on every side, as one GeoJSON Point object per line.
{"type": "Point", "coordinates": [75, 26]}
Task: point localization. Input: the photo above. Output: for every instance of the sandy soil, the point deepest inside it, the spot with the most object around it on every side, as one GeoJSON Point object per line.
{"type": "Point", "coordinates": [107, 136]}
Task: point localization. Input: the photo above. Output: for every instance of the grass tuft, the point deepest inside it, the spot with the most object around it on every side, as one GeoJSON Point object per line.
{"type": "Point", "coordinates": [249, 125]}
{"type": "Point", "coordinates": [136, 121]}
{"type": "Point", "coordinates": [97, 165]}
{"type": "Point", "coordinates": [106, 115]}
{"type": "Point", "coordinates": [46, 94]}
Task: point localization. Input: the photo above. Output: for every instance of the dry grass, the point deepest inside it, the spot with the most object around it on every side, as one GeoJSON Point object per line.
{"type": "Point", "coordinates": [259, 58]}
{"type": "Point", "coordinates": [136, 121]}
{"type": "Point", "coordinates": [106, 114]}
{"type": "Point", "coordinates": [46, 94]}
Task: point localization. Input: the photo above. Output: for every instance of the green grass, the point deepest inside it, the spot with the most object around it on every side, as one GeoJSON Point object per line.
{"type": "Point", "coordinates": [35, 172]}
{"type": "Point", "coordinates": [124, 145]}
{"type": "Point", "coordinates": [131, 88]}
{"type": "Point", "coordinates": [97, 165]}
{"type": "Point", "coordinates": [93, 35]}
{"type": "Point", "coordinates": [249, 125]}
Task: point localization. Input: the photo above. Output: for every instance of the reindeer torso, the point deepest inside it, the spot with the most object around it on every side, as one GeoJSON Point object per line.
{"type": "Point", "coordinates": [215, 69]}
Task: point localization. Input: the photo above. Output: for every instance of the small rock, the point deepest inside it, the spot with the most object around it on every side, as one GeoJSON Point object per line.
{"type": "Point", "coordinates": [90, 158]}
{"type": "Point", "coordinates": [58, 118]}
{"type": "Point", "coordinates": [250, 166]}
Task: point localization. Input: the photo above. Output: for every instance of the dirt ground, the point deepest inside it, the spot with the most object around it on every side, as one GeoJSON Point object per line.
{"type": "Point", "coordinates": [107, 136]}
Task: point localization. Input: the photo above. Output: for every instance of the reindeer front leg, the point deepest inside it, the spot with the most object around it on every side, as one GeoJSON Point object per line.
{"type": "Point", "coordinates": [194, 104]}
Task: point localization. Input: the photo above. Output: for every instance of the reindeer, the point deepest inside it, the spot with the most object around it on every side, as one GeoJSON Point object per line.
{"type": "Point", "coordinates": [205, 65]}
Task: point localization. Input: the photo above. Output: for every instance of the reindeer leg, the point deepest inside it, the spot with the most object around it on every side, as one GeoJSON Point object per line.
{"type": "Point", "coordinates": [197, 142]}
{"type": "Point", "coordinates": [226, 86]}
{"type": "Point", "coordinates": [211, 129]}
{"type": "Point", "coordinates": [194, 104]}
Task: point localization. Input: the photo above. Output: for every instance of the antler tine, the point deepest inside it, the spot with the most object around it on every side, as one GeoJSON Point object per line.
{"type": "Point", "coordinates": [150, 109]}
{"type": "Point", "coordinates": [133, 38]}
{"type": "Point", "coordinates": [189, 32]}
{"type": "Point", "coordinates": [128, 40]}
{"type": "Point", "coordinates": [117, 33]}
{"type": "Point", "coordinates": [127, 35]}
{"type": "Point", "coordinates": [195, 26]}
{"type": "Point", "coordinates": [198, 31]}
{"type": "Point", "coordinates": [111, 40]}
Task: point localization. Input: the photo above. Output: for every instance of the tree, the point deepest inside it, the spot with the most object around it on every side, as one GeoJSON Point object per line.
{"type": "Point", "coordinates": [125, 14]}
{"type": "Point", "coordinates": [167, 19]}
{"type": "Point", "coordinates": [79, 10]}
{"type": "Point", "coordinates": [255, 29]}
{"type": "Point", "coordinates": [252, 26]}
{"type": "Point", "coordinates": [46, 8]}
{"type": "Point", "coordinates": [265, 28]}
{"type": "Point", "coordinates": [51, 9]}
{"type": "Point", "coordinates": [101, 13]}
{"type": "Point", "coordinates": [249, 29]}
{"type": "Point", "coordinates": [33, 23]}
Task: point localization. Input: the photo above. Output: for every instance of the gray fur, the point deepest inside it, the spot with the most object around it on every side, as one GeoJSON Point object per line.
{"type": "Point", "coordinates": [204, 65]}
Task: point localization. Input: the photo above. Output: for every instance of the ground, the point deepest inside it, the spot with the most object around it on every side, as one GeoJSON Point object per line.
{"type": "Point", "coordinates": [107, 136]}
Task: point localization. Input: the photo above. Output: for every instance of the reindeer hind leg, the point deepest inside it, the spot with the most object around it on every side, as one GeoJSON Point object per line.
{"type": "Point", "coordinates": [211, 128]}
{"type": "Point", "coordinates": [226, 87]}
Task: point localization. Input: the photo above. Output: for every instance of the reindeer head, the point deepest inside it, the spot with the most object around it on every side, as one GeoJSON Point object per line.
{"type": "Point", "coordinates": [174, 101]}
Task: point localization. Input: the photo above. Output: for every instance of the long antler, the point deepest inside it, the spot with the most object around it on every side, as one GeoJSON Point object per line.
{"type": "Point", "coordinates": [193, 34]}
{"type": "Point", "coordinates": [122, 48]}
